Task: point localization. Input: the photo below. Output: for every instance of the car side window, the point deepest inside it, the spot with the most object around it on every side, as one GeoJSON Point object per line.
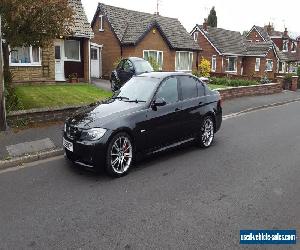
{"type": "Point", "coordinates": [128, 66]}
{"type": "Point", "coordinates": [201, 89]}
{"type": "Point", "coordinates": [168, 90]}
{"type": "Point", "coordinates": [188, 86]}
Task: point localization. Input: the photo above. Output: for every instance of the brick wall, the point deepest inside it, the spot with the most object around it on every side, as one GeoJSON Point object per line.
{"type": "Point", "coordinates": [262, 89]}
{"type": "Point", "coordinates": [35, 116]}
{"type": "Point", "coordinates": [254, 36]}
{"type": "Point", "coordinates": [44, 73]}
{"type": "Point", "coordinates": [111, 46]}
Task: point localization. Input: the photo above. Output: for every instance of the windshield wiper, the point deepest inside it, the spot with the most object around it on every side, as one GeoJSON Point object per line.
{"type": "Point", "coordinates": [120, 97]}
{"type": "Point", "coordinates": [136, 101]}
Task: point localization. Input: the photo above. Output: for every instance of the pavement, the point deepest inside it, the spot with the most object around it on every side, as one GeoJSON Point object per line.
{"type": "Point", "coordinates": [187, 198]}
{"type": "Point", "coordinates": [48, 138]}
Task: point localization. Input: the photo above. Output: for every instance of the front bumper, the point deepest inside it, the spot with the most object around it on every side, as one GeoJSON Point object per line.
{"type": "Point", "coordinates": [86, 153]}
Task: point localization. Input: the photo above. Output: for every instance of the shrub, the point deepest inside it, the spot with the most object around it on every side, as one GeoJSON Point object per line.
{"type": "Point", "coordinates": [117, 61]}
{"type": "Point", "coordinates": [154, 63]}
{"type": "Point", "coordinates": [232, 82]}
{"type": "Point", "coordinates": [204, 67]}
{"type": "Point", "coordinates": [12, 101]}
{"type": "Point", "coordinates": [298, 71]}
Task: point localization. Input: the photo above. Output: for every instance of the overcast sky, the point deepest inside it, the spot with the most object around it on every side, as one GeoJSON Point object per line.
{"type": "Point", "coordinates": [232, 14]}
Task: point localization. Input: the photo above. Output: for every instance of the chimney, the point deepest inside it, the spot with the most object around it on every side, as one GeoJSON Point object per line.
{"type": "Point", "coordinates": [205, 24]}
{"type": "Point", "coordinates": [285, 33]}
{"type": "Point", "coordinates": [269, 29]}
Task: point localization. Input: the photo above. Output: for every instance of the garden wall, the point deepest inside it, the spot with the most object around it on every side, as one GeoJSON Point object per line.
{"type": "Point", "coordinates": [262, 89]}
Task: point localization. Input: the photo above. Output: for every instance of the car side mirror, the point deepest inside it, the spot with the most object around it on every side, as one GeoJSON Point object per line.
{"type": "Point", "coordinates": [159, 102]}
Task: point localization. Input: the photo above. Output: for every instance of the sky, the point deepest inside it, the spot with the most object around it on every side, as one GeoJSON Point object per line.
{"type": "Point", "coordinates": [236, 15]}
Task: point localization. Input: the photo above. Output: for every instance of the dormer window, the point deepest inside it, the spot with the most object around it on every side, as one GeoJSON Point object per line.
{"type": "Point", "coordinates": [101, 23]}
{"type": "Point", "coordinates": [285, 46]}
{"type": "Point", "coordinates": [196, 35]}
{"type": "Point", "coordinates": [294, 46]}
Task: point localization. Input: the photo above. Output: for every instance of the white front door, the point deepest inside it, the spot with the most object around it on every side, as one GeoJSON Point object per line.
{"type": "Point", "coordinates": [95, 62]}
{"type": "Point", "coordinates": [59, 61]}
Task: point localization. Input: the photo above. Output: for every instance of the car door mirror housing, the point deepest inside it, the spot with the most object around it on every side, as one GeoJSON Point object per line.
{"type": "Point", "coordinates": [158, 102]}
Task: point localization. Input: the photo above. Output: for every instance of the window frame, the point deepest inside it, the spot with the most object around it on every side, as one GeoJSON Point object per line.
{"type": "Point", "coordinates": [101, 23]}
{"type": "Point", "coordinates": [213, 65]}
{"type": "Point", "coordinates": [257, 61]}
{"type": "Point", "coordinates": [294, 46]}
{"type": "Point", "coordinates": [31, 64]}
{"type": "Point", "coordinates": [227, 61]}
{"type": "Point", "coordinates": [285, 42]}
{"type": "Point", "coordinates": [269, 70]}
{"type": "Point", "coordinates": [72, 60]}
{"type": "Point", "coordinates": [196, 36]}
{"type": "Point", "coordinates": [157, 52]}
{"type": "Point", "coordinates": [192, 60]}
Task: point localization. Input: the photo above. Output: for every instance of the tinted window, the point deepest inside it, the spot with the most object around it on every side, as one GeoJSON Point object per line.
{"type": "Point", "coordinates": [201, 89]}
{"type": "Point", "coordinates": [139, 88]}
{"type": "Point", "coordinates": [188, 87]}
{"type": "Point", "coordinates": [143, 67]}
{"type": "Point", "coordinates": [168, 90]}
{"type": "Point", "coordinates": [128, 66]}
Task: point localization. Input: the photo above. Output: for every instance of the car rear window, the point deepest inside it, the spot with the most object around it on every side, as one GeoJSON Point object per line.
{"type": "Point", "coordinates": [142, 66]}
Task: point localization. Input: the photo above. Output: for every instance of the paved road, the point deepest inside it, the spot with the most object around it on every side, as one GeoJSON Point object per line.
{"type": "Point", "coordinates": [184, 199]}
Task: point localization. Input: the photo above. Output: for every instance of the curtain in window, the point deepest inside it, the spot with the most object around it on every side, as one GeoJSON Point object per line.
{"type": "Point", "coordinates": [184, 61]}
{"type": "Point", "coordinates": [35, 54]}
{"type": "Point", "coordinates": [72, 50]}
{"type": "Point", "coordinates": [20, 55]}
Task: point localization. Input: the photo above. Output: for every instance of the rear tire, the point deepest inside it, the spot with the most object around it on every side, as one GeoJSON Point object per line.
{"type": "Point", "coordinates": [207, 132]}
{"type": "Point", "coordinates": [119, 157]}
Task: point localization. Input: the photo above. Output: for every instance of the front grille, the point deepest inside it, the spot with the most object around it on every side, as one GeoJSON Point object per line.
{"type": "Point", "coordinates": [73, 132]}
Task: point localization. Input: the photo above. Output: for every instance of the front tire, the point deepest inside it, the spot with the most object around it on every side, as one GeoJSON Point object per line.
{"type": "Point", "coordinates": [207, 132]}
{"type": "Point", "coordinates": [119, 156]}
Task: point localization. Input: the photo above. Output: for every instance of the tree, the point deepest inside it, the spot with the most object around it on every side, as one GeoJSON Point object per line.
{"type": "Point", "coordinates": [31, 23]}
{"type": "Point", "coordinates": [212, 19]}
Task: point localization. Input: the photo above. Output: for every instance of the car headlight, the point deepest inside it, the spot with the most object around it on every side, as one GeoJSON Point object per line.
{"type": "Point", "coordinates": [93, 134]}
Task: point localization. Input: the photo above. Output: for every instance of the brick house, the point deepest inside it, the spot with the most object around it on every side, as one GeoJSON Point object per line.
{"type": "Point", "coordinates": [230, 53]}
{"type": "Point", "coordinates": [66, 55]}
{"type": "Point", "coordinates": [287, 47]}
{"type": "Point", "coordinates": [123, 33]}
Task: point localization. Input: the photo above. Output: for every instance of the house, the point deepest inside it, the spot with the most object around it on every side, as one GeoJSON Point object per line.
{"type": "Point", "coordinates": [287, 46]}
{"type": "Point", "coordinates": [230, 53]}
{"type": "Point", "coordinates": [65, 56]}
{"type": "Point", "coordinates": [123, 33]}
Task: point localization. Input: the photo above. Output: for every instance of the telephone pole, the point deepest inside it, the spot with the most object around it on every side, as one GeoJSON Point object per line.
{"type": "Point", "coordinates": [2, 96]}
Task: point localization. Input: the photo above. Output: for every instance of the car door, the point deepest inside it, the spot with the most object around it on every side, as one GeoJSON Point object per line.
{"type": "Point", "coordinates": [193, 101]}
{"type": "Point", "coordinates": [163, 123]}
{"type": "Point", "coordinates": [126, 72]}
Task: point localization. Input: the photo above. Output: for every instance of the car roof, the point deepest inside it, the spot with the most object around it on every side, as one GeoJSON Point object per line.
{"type": "Point", "coordinates": [162, 75]}
{"type": "Point", "coordinates": [132, 58]}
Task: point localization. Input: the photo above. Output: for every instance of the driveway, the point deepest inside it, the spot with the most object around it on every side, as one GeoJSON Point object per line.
{"type": "Point", "coordinates": [102, 83]}
{"type": "Point", "coordinates": [187, 198]}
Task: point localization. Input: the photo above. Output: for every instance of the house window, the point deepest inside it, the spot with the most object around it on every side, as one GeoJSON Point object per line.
{"type": "Point", "coordinates": [213, 64]}
{"type": "Point", "coordinates": [294, 46]}
{"type": "Point", "coordinates": [257, 64]}
{"type": "Point", "coordinates": [101, 23]}
{"type": "Point", "coordinates": [184, 61]}
{"type": "Point", "coordinates": [155, 55]}
{"type": "Point", "coordinates": [25, 56]}
{"type": "Point", "coordinates": [72, 50]}
{"type": "Point", "coordinates": [231, 64]}
{"type": "Point", "coordinates": [281, 67]}
{"type": "Point", "coordinates": [196, 35]}
{"type": "Point", "coordinates": [94, 54]}
{"type": "Point", "coordinates": [269, 65]}
{"type": "Point", "coordinates": [285, 46]}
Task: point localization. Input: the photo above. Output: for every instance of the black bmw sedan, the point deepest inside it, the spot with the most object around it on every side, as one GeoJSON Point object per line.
{"type": "Point", "coordinates": [150, 113]}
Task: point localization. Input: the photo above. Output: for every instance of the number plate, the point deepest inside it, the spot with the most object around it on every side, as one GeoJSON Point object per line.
{"type": "Point", "coordinates": [68, 145]}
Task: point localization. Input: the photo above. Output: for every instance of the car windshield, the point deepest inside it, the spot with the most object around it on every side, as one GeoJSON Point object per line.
{"type": "Point", "coordinates": [142, 66]}
{"type": "Point", "coordinates": [137, 89]}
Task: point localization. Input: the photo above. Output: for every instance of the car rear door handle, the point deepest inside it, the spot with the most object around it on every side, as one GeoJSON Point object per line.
{"type": "Point", "coordinates": [177, 109]}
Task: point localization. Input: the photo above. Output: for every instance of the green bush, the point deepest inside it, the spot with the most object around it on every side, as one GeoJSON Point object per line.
{"type": "Point", "coordinates": [232, 82]}
{"type": "Point", "coordinates": [298, 71]}
{"type": "Point", "coordinates": [12, 101]}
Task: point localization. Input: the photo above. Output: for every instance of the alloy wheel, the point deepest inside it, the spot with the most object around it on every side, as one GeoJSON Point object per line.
{"type": "Point", "coordinates": [207, 132]}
